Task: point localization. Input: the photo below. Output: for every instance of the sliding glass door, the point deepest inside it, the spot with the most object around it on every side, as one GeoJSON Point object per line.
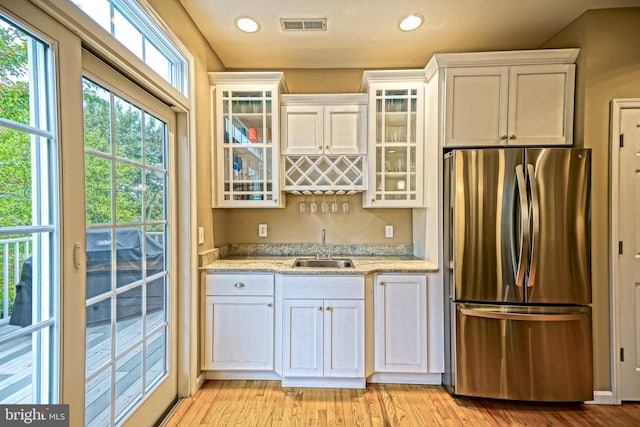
{"type": "Point", "coordinates": [130, 287]}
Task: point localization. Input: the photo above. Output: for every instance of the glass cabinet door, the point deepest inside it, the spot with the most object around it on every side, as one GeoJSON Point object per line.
{"type": "Point", "coordinates": [396, 145]}
{"type": "Point", "coordinates": [247, 145]}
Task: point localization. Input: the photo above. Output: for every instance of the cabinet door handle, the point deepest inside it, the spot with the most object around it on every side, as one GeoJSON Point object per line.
{"type": "Point", "coordinates": [382, 283]}
{"type": "Point", "coordinates": [270, 305]}
{"type": "Point", "coordinates": [319, 308]}
{"type": "Point", "coordinates": [503, 137]}
{"type": "Point", "coordinates": [329, 308]}
{"type": "Point", "coordinates": [512, 137]}
{"type": "Point", "coordinates": [238, 285]}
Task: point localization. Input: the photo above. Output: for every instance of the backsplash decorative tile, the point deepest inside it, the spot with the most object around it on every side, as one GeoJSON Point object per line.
{"type": "Point", "coordinates": [310, 249]}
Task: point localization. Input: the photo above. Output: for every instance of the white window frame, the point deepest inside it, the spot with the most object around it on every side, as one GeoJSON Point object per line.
{"type": "Point", "coordinates": [152, 32]}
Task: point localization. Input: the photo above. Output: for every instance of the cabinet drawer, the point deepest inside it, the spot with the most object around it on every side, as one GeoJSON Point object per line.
{"type": "Point", "coordinates": [240, 284]}
{"type": "Point", "coordinates": [338, 287]}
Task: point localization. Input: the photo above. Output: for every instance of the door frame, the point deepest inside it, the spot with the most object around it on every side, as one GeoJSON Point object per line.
{"type": "Point", "coordinates": [617, 105]}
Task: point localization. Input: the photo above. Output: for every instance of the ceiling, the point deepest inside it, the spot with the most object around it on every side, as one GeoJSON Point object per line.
{"type": "Point", "coordinates": [365, 34]}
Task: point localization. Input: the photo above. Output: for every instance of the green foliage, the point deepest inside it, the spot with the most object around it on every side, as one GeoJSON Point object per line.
{"type": "Point", "coordinates": [138, 191]}
{"type": "Point", "coordinates": [15, 147]}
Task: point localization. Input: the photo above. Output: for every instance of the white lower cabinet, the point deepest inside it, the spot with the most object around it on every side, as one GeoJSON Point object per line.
{"type": "Point", "coordinates": [400, 318]}
{"type": "Point", "coordinates": [407, 329]}
{"type": "Point", "coordinates": [239, 322]}
{"type": "Point", "coordinates": [323, 332]}
{"type": "Point", "coordinates": [323, 338]}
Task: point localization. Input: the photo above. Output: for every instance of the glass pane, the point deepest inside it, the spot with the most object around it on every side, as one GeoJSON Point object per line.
{"type": "Point", "coordinates": [98, 335]}
{"type": "Point", "coordinates": [96, 117]}
{"type": "Point", "coordinates": [98, 10]}
{"type": "Point", "coordinates": [156, 60]}
{"type": "Point", "coordinates": [16, 85]}
{"type": "Point", "coordinates": [128, 130]}
{"type": "Point", "coordinates": [155, 240]}
{"type": "Point", "coordinates": [154, 195]}
{"type": "Point", "coordinates": [228, 129]}
{"type": "Point", "coordinates": [156, 295]}
{"type": "Point", "coordinates": [128, 380]}
{"type": "Point", "coordinates": [129, 329]}
{"type": "Point", "coordinates": [154, 141]}
{"type": "Point", "coordinates": [98, 189]}
{"type": "Point", "coordinates": [99, 248]}
{"type": "Point", "coordinates": [15, 178]}
{"type": "Point", "coordinates": [15, 280]}
{"type": "Point", "coordinates": [156, 358]}
{"type": "Point", "coordinates": [129, 252]}
{"type": "Point", "coordinates": [128, 186]}
{"type": "Point", "coordinates": [127, 34]}
{"type": "Point", "coordinates": [97, 400]}
{"type": "Point", "coordinates": [16, 377]}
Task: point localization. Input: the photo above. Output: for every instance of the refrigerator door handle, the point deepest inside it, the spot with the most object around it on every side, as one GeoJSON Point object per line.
{"type": "Point", "coordinates": [524, 226]}
{"type": "Point", "coordinates": [535, 214]}
{"type": "Point", "coordinates": [499, 315]}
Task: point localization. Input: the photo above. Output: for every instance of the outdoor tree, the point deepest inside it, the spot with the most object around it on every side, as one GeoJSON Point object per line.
{"type": "Point", "coordinates": [15, 147]}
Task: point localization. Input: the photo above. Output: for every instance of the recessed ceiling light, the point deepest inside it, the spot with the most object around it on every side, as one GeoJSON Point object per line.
{"type": "Point", "coordinates": [411, 22]}
{"type": "Point", "coordinates": [247, 24]}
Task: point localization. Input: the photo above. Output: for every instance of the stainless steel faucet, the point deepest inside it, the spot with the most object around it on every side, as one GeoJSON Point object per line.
{"type": "Point", "coordinates": [323, 253]}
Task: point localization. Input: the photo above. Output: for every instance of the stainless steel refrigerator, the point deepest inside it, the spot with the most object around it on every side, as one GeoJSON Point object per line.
{"type": "Point", "coordinates": [518, 283]}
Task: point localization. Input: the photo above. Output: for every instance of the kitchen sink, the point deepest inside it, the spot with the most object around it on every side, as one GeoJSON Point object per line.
{"type": "Point", "coordinates": [323, 263]}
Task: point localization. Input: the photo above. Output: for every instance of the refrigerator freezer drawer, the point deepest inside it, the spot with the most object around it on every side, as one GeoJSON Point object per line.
{"type": "Point", "coordinates": [523, 353]}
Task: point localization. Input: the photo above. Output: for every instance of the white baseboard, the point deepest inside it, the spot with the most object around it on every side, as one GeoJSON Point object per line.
{"type": "Point", "coordinates": [602, 398]}
{"type": "Point", "coordinates": [405, 378]}
{"type": "Point", "coordinates": [242, 375]}
{"type": "Point", "coordinates": [358, 383]}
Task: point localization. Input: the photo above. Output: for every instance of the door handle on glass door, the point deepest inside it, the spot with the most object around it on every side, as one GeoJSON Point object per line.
{"type": "Point", "coordinates": [524, 226]}
{"type": "Point", "coordinates": [535, 214]}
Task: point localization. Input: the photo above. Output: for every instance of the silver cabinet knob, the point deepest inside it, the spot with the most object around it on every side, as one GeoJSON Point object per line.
{"type": "Point", "coordinates": [238, 285]}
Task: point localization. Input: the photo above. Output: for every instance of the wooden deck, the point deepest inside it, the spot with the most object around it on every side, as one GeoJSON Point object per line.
{"type": "Point", "coordinates": [16, 362]}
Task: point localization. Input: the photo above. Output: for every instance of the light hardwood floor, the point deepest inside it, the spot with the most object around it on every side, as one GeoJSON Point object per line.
{"type": "Point", "coordinates": [266, 403]}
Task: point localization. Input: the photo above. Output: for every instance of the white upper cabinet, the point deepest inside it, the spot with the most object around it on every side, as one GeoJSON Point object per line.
{"type": "Point", "coordinates": [246, 139]}
{"type": "Point", "coordinates": [520, 98]}
{"type": "Point", "coordinates": [324, 124]}
{"type": "Point", "coordinates": [324, 142]}
{"type": "Point", "coordinates": [476, 103]}
{"type": "Point", "coordinates": [396, 139]}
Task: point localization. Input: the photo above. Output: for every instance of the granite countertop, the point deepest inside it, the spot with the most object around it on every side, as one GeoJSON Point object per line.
{"type": "Point", "coordinates": [284, 265]}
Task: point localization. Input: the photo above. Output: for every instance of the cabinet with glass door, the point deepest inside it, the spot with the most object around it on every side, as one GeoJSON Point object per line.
{"type": "Point", "coordinates": [246, 139]}
{"type": "Point", "coordinates": [396, 138]}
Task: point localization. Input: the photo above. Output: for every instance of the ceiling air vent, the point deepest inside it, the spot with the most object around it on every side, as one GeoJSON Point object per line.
{"type": "Point", "coordinates": [303, 24]}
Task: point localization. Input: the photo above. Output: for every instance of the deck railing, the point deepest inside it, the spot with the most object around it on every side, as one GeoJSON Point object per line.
{"type": "Point", "coordinates": [13, 252]}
